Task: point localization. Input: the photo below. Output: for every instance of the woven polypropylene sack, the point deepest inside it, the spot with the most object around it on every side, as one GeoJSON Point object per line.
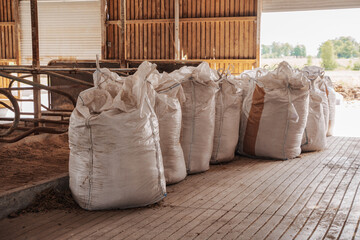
{"type": "Point", "coordinates": [321, 86]}
{"type": "Point", "coordinates": [331, 94]}
{"type": "Point", "coordinates": [274, 114]}
{"type": "Point", "coordinates": [227, 120]}
{"type": "Point", "coordinates": [115, 156]}
{"type": "Point", "coordinates": [316, 76]}
{"type": "Point", "coordinates": [198, 116]}
{"type": "Point", "coordinates": [314, 138]}
{"type": "Point", "coordinates": [168, 110]}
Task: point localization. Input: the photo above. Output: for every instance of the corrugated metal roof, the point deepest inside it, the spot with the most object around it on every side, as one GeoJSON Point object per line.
{"type": "Point", "coordinates": [304, 5]}
{"type": "Point", "coordinates": [67, 30]}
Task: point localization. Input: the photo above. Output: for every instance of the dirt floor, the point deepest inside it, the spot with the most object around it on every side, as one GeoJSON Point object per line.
{"type": "Point", "coordinates": [33, 159]}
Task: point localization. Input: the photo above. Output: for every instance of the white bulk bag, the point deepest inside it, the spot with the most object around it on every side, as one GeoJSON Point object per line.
{"type": "Point", "coordinates": [331, 94]}
{"type": "Point", "coordinates": [198, 115]}
{"type": "Point", "coordinates": [227, 120]}
{"type": "Point", "coordinates": [168, 110]}
{"type": "Point", "coordinates": [316, 76]}
{"type": "Point", "coordinates": [115, 157]}
{"type": "Point", "coordinates": [274, 114]}
{"type": "Point", "coordinates": [314, 138]}
{"type": "Point", "coordinates": [246, 76]}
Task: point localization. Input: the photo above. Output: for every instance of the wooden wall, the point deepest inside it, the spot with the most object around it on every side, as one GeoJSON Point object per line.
{"type": "Point", "coordinates": [9, 44]}
{"type": "Point", "coordinates": [8, 37]}
{"type": "Point", "coordinates": [221, 32]}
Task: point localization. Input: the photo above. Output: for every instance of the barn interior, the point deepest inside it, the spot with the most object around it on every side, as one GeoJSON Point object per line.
{"type": "Point", "coordinates": [50, 52]}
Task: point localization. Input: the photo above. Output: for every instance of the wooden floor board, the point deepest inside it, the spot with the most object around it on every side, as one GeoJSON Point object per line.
{"type": "Point", "coordinates": [151, 224]}
{"type": "Point", "coordinates": [224, 198]}
{"type": "Point", "coordinates": [298, 182]}
{"type": "Point", "coordinates": [213, 228]}
{"type": "Point", "coordinates": [203, 225]}
{"type": "Point", "coordinates": [293, 205]}
{"type": "Point", "coordinates": [81, 231]}
{"type": "Point", "coordinates": [18, 226]}
{"type": "Point", "coordinates": [53, 226]}
{"type": "Point", "coordinates": [214, 194]}
{"type": "Point", "coordinates": [236, 199]}
{"type": "Point", "coordinates": [184, 194]}
{"type": "Point", "coordinates": [169, 231]}
{"type": "Point", "coordinates": [242, 226]}
{"type": "Point", "coordinates": [304, 187]}
{"type": "Point", "coordinates": [201, 188]}
{"type": "Point", "coordinates": [316, 196]}
{"type": "Point", "coordinates": [181, 232]}
{"type": "Point", "coordinates": [310, 200]}
{"type": "Point", "coordinates": [335, 203]}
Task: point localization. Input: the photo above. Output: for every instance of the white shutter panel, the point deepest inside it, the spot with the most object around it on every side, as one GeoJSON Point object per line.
{"type": "Point", "coordinates": [67, 30]}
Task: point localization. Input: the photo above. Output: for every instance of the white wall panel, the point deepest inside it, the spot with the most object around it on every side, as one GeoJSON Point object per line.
{"type": "Point", "coordinates": [67, 30]}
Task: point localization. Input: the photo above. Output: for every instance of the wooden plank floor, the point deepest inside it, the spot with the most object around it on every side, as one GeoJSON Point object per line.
{"type": "Point", "coordinates": [316, 196]}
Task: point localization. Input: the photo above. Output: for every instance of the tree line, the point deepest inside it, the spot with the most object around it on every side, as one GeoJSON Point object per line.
{"type": "Point", "coordinates": [278, 50]}
{"type": "Point", "coordinates": [343, 47]}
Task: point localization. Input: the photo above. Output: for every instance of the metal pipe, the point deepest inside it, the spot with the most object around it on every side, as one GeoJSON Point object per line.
{"type": "Point", "coordinates": [41, 69]}
{"type": "Point", "coordinates": [38, 85]}
{"type": "Point", "coordinates": [31, 131]}
{"type": "Point", "coordinates": [62, 122]}
{"type": "Point", "coordinates": [18, 88]}
{"type": "Point", "coordinates": [55, 110]}
{"type": "Point", "coordinates": [70, 79]}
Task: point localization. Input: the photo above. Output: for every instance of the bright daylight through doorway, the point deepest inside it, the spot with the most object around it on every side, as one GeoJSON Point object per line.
{"type": "Point", "coordinates": [297, 37]}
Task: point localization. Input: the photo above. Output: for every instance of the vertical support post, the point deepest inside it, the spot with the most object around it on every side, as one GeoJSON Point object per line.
{"type": "Point", "coordinates": [35, 57]}
{"type": "Point", "coordinates": [258, 24]}
{"type": "Point", "coordinates": [103, 9]}
{"type": "Point", "coordinates": [177, 40]}
{"type": "Point", "coordinates": [15, 11]}
{"type": "Point", "coordinates": [123, 31]}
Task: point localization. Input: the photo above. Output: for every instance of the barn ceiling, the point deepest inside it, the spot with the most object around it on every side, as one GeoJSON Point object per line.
{"type": "Point", "coordinates": [305, 5]}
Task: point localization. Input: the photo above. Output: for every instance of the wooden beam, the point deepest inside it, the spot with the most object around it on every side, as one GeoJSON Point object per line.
{"type": "Point", "coordinates": [7, 24]}
{"type": "Point", "coordinates": [16, 10]}
{"type": "Point", "coordinates": [104, 10]}
{"type": "Point", "coordinates": [258, 24]}
{"type": "Point", "coordinates": [36, 57]}
{"type": "Point", "coordinates": [196, 60]}
{"type": "Point", "coordinates": [171, 20]}
{"type": "Point", "coordinates": [176, 29]}
{"type": "Point", "coordinates": [122, 32]}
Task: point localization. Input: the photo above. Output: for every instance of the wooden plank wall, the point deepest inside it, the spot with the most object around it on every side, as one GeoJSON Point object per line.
{"type": "Point", "coordinates": [8, 49]}
{"type": "Point", "coordinates": [8, 36]}
{"type": "Point", "coordinates": [220, 32]}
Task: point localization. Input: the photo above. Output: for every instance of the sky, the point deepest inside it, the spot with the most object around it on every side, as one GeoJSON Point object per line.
{"type": "Point", "coordinates": [310, 28]}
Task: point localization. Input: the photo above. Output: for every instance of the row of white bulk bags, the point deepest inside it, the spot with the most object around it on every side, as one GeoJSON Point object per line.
{"type": "Point", "coordinates": [198, 115]}
{"type": "Point", "coordinates": [169, 97]}
{"type": "Point", "coordinates": [115, 156]}
{"type": "Point", "coordinates": [227, 119]}
{"type": "Point", "coordinates": [274, 114]}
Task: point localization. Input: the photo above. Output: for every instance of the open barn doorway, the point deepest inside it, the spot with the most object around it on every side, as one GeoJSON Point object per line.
{"type": "Point", "coordinates": [300, 37]}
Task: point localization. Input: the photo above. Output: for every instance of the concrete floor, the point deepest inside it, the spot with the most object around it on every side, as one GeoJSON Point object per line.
{"type": "Point", "coordinates": [316, 196]}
